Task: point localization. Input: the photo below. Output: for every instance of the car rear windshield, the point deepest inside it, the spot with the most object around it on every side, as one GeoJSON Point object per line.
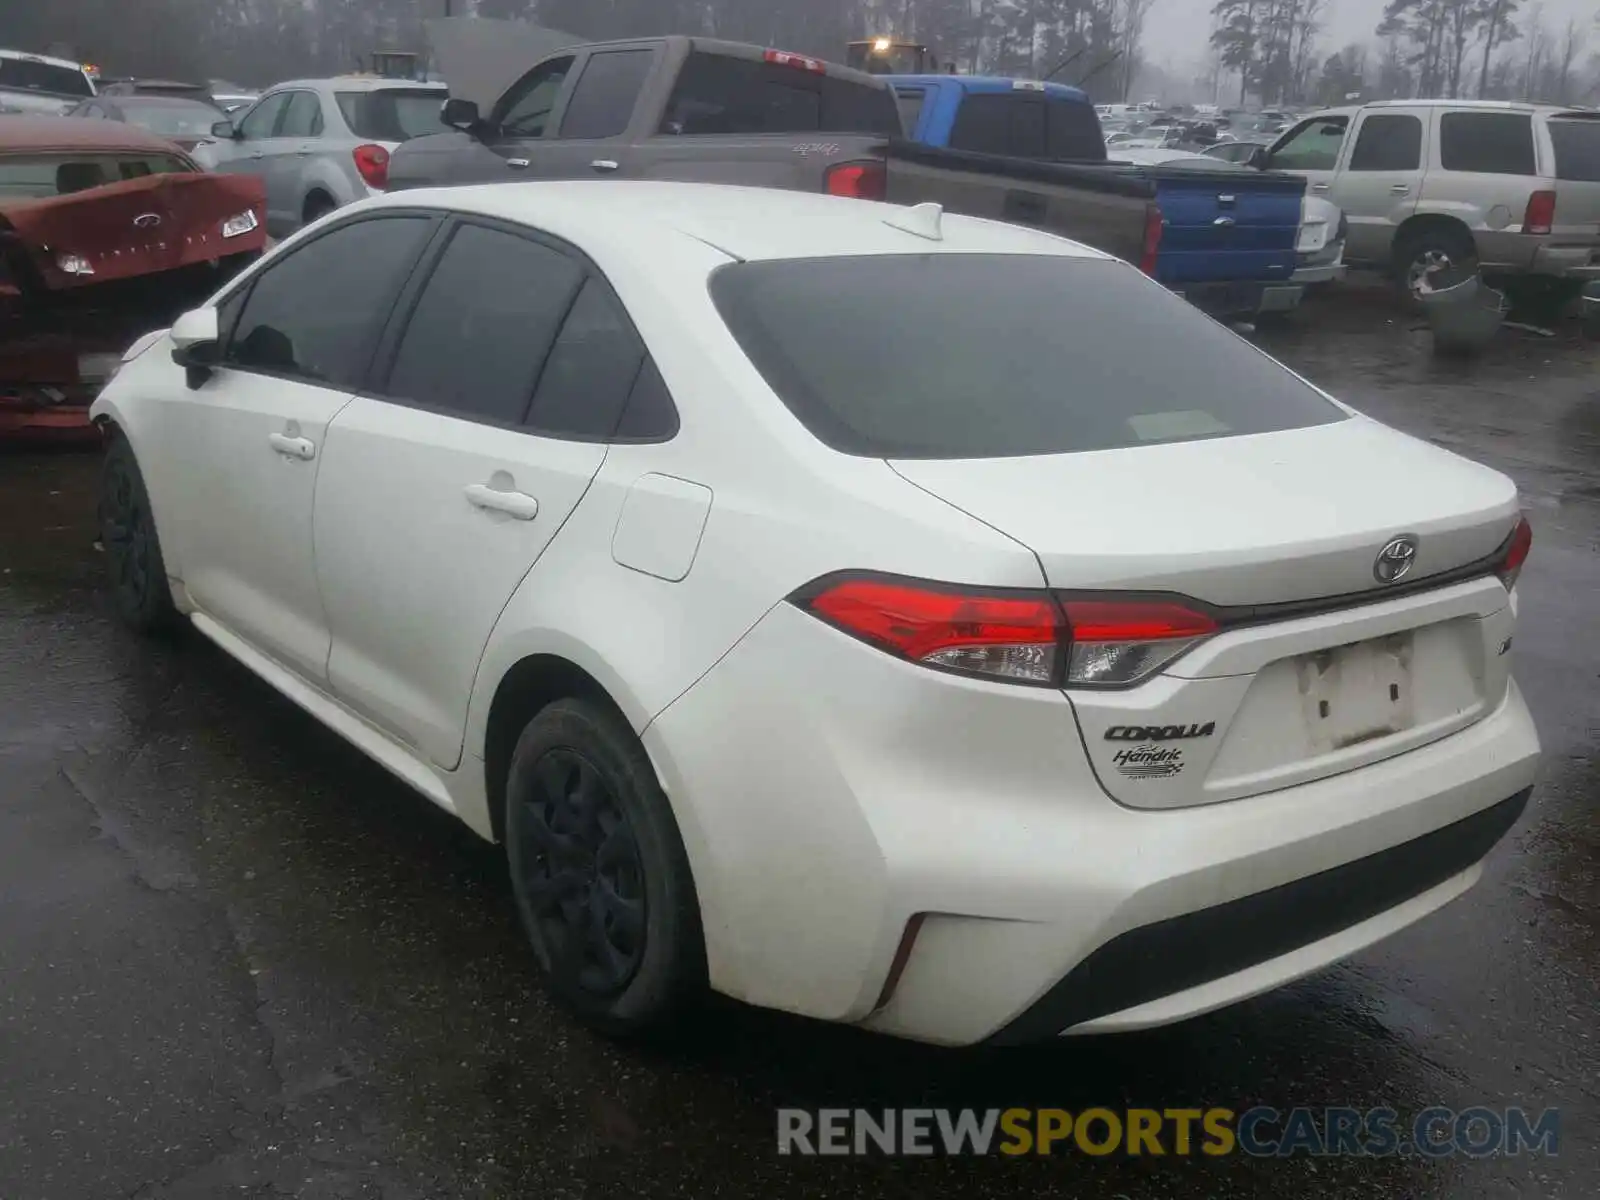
{"type": "Point", "coordinates": [392, 114]}
{"type": "Point", "coordinates": [172, 118]}
{"type": "Point", "coordinates": [1027, 125]}
{"type": "Point", "coordinates": [1577, 144]}
{"type": "Point", "coordinates": [25, 75]}
{"type": "Point", "coordinates": [718, 93]}
{"type": "Point", "coordinates": [37, 176]}
{"type": "Point", "coordinates": [992, 356]}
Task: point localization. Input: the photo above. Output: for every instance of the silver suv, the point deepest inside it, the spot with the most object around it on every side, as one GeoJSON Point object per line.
{"type": "Point", "coordinates": [322, 143]}
{"type": "Point", "coordinates": [1511, 188]}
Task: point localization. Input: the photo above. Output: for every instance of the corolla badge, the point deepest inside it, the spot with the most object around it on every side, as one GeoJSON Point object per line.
{"type": "Point", "coordinates": [1396, 559]}
{"type": "Point", "coordinates": [147, 220]}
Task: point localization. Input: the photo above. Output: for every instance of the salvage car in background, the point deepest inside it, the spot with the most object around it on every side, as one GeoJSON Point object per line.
{"type": "Point", "coordinates": [738, 558]}
{"type": "Point", "coordinates": [37, 83]}
{"type": "Point", "coordinates": [103, 228]}
{"type": "Point", "coordinates": [183, 122]}
{"type": "Point", "coordinates": [318, 144]}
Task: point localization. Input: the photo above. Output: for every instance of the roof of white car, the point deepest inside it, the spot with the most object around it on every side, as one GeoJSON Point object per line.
{"type": "Point", "coordinates": [44, 58]}
{"type": "Point", "coordinates": [360, 83]}
{"type": "Point", "coordinates": [743, 222]}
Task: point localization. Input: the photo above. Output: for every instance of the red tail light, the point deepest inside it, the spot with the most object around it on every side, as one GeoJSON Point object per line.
{"type": "Point", "coordinates": [858, 180]}
{"type": "Point", "coordinates": [1153, 226]}
{"type": "Point", "coordinates": [373, 163]}
{"type": "Point", "coordinates": [1015, 636]}
{"type": "Point", "coordinates": [784, 58]}
{"type": "Point", "coordinates": [1541, 214]}
{"type": "Point", "coordinates": [1516, 553]}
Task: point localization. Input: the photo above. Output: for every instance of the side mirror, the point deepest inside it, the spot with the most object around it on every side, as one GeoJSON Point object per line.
{"type": "Point", "coordinates": [224, 131]}
{"type": "Point", "coordinates": [196, 344]}
{"type": "Point", "coordinates": [460, 114]}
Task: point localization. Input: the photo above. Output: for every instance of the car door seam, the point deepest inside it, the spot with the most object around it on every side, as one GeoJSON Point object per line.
{"type": "Point", "coordinates": [316, 569]}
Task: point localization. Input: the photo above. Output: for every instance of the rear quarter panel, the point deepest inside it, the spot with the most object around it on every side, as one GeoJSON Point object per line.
{"type": "Point", "coordinates": [795, 162]}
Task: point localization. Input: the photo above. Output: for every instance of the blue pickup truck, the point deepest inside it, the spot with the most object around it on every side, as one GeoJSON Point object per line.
{"type": "Point", "coordinates": [1226, 239]}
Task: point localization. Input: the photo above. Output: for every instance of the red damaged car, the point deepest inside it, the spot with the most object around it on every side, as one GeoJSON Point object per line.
{"type": "Point", "coordinates": [106, 232]}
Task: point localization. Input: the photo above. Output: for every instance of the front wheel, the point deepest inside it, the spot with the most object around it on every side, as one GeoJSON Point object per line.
{"type": "Point", "coordinates": [599, 873]}
{"type": "Point", "coordinates": [133, 551]}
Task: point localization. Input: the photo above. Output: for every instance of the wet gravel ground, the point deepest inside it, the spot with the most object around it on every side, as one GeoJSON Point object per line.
{"type": "Point", "coordinates": [236, 959]}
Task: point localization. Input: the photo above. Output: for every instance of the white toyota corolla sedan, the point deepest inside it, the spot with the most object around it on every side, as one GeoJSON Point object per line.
{"type": "Point", "coordinates": [823, 605]}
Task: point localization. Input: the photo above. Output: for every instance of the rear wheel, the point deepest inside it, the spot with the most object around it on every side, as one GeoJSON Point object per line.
{"type": "Point", "coordinates": [133, 551]}
{"type": "Point", "coordinates": [1433, 249]}
{"type": "Point", "coordinates": [318, 206]}
{"type": "Point", "coordinates": [599, 873]}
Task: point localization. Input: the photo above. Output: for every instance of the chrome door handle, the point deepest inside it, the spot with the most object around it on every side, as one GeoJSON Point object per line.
{"type": "Point", "coordinates": [516, 163]}
{"type": "Point", "coordinates": [517, 504]}
{"type": "Point", "coordinates": [292, 447]}
{"type": "Point", "coordinates": [1320, 187]}
{"type": "Point", "coordinates": [258, 154]}
{"type": "Point", "coordinates": [1400, 189]}
{"type": "Point", "coordinates": [605, 164]}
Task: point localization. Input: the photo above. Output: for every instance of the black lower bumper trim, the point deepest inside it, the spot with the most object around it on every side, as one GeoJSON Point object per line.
{"type": "Point", "coordinates": [1170, 956]}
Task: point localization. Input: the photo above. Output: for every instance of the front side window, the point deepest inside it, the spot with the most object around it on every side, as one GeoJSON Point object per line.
{"type": "Point", "coordinates": [1311, 146]}
{"type": "Point", "coordinates": [261, 120]}
{"type": "Point", "coordinates": [996, 370]}
{"type": "Point", "coordinates": [524, 111]}
{"type": "Point", "coordinates": [1388, 142]}
{"type": "Point", "coordinates": [1488, 143]}
{"type": "Point", "coordinates": [313, 315]}
{"type": "Point", "coordinates": [602, 103]}
{"type": "Point", "coordinates": [484, 325]}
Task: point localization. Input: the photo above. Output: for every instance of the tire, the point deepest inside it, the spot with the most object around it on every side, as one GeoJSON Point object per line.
{"type": "Point", "coordinates": [138, 572]}
{"type": "Point", "coordinates": [599, 873]}
{"type": "Point", "coordinates": [1432, 246]}
{"type": "Point", "coordinates": [317, 207]}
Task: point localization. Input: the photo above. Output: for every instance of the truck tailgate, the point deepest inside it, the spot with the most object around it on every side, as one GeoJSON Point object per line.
{"type": "Point", "coordinates": [1226, 225]}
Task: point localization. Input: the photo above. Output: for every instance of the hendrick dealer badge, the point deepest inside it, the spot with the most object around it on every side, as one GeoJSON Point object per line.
{"type": "Point", "coordinates": [1149, 762]}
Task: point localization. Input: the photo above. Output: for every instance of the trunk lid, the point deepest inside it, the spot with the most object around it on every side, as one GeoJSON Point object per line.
{"type": "Point", "coordinates": [1226, 225]}
{"type": "Point", "coordinates": [1287, 691]}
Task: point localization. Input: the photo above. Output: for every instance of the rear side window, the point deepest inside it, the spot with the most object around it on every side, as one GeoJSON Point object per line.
{"type": "Point", "coordinates": [1390, 142]}
{"type": "Point", "coordinates": [590, 370]}
{"type": "Point", "coordinates": [1577, 144]}
{"type": "Point", "coordinates": [313, 314]}
{"type": "Point", "coordinates": [1489, 143]}
{"type": "Point", "coordinates": [603, 101]}
{"type": "Point", "coordinates": [717, 93]}
{"type": "Point", "coordinates": [910, 101]}
{"type": "Point", "coordinates": [24, 75]}
{"type": "Point", "coordinates": [483, 325]}
{"type": "Point", "coordinates": [392, 114]}
{"type": "Point", "coordinates": [993, 356]}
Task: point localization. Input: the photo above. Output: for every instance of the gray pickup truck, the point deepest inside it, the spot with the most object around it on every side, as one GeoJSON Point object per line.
{"type": "Point", "coordinates": [698, 109]}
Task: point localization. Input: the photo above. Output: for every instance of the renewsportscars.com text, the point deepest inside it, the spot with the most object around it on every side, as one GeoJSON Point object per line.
{"type": "Point", "coordinates": [1259, 1132]}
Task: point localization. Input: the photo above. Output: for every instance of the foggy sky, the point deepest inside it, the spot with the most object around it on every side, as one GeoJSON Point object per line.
{"type": "Point", "coordinates": [1178, 29]}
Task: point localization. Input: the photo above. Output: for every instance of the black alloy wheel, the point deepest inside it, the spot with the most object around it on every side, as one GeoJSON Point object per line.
{"type": "Point", "coordinates": [137, 570]}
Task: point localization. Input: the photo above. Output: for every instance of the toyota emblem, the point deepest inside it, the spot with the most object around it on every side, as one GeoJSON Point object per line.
{"type": "Point", "coordinates": [1396, 559]}
{"type": "Point", "coordinates": [147, 220]}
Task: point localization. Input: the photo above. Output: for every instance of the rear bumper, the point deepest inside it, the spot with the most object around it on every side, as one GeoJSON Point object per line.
{"type": "Point", "coordinates": [1567, 262]}
{"type": "Point", "coordinates": [932, 857]}
{"type": "Point", "coordinates": [66, 423]}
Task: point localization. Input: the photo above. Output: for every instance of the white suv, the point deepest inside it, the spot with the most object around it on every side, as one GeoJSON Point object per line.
{"type": "Point", "coordinates": [891, 617]}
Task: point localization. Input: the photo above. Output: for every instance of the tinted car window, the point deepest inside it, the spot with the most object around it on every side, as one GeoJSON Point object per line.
{"type": "Point", "coordinates": [717, 93]}
{"type": "Point", "coordinates": [910, 101]}
{"type": "Point", "coordinates": [1487, 142]}
{"type": "Point", "coordinates": [313, 314]}
{"type": "Point", "coordinates": [1027, 129]}
{"type": "Point", "coordinates": [24, 75]}
{"type": "Point", "coordinates": [1389, 142]}
{"type": "Point", "coordinates": [260, 120]}
{"type": "Point", "coordinates": [1314, 146]}
{"type": "Point", "coordinates": [1026, 126]}
{"type": "Point", "coordinates": [602, 103]}
{"type": "Point", "coordinates": [650, 415]}
{"type": "Point", "coordinates": [982, 125]}
{"type": "Point", "coordinates": [997, 371]}
{"type": "Point", "coordinates": [483, 325]}
{"type": "Point", "coordinates": [1577, 144]}
{"type": "Point", "coordinates": [525, 109]}
{"type": "Point", "coordinates": [590, 371]}
{"type": "Point", "coordinates": [303, 117]}
{"type": "Point", "coordinates": [393, 114]}
{"type": "Point", "coordinates": [1074, 131]}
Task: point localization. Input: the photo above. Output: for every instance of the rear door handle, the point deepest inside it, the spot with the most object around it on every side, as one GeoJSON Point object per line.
{"type": "Point", "coordinates": [258, 154]}
{"type": "Point", "coordinates": [1400, 189]}
{"type": "Point", "coordinates": [292, 447]}
{"type": "Point", "coordinates": [1320, 187]}
{"type": "Point", "coordinates": [605, 165]}
{"type": "Point", "coordinates": [517, 164]}
{"type": "Point", "coordinates": [517, 504]}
